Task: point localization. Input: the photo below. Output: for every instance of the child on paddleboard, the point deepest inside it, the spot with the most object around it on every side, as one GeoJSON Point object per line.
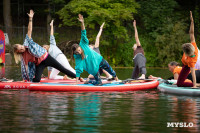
{"type": "Point", "coordinates": [87, 59]}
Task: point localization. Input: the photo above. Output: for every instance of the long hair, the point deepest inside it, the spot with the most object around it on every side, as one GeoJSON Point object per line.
{"type": "Point", "coordinates": [174, 63]}
{"type": "Point", "coordinates": [17, 56]}
{"type": "Point", "coordinates": [73, 48]}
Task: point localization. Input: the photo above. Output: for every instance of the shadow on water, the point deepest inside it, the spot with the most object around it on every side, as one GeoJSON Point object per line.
{"type": "Point", "coordinates": [123, 112]}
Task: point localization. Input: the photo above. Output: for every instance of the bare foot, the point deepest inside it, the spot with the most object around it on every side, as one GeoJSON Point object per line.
{"type": "Point", "coordinates": [66, 77]}
{"type": "Point", "coordinates": [142, 76]}
{"type": "Point", "coordinates": [82, 80]}
{"type": "Point", "coordinates": [116, 78]}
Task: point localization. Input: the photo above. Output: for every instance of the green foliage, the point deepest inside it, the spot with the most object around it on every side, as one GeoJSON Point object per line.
{"type": "Point", "coordinates": [156, 15]}
{"type": "Point", "coordinates": [115, 13]}
{"type": "Point", "coordinates": [169, 44]}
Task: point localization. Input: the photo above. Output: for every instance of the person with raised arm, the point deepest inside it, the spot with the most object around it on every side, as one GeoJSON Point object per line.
{"type": "Point", "coordinates": [95, 47]}
{"type": "Point", "coordinates": [87, 59]}
{"type": "Point", "coordinates": [57, 54]}
{"type": "Point", "coordinates": [139, 58]}
{"type": "Point", "coordinates": [189, 59]}
{"type": "Point", "coordinates": [35, 58]}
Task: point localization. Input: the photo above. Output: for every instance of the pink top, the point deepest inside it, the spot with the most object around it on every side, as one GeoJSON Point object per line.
{"type": "Point", "coordinates": [30, 58]}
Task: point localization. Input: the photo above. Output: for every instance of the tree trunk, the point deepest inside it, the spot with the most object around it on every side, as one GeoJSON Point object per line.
{"type": "Point", "coordinates": [7, 17]}
{"type": "Point", "coordinates": [48, 19]}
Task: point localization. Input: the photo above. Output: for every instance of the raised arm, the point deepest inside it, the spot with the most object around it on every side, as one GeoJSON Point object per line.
{"type": "Point", "coordinates": [31, 14]}
{"type": "Point", "coordinates": [191, 32]}
{"type": "Point", "coordinates": [51, 25]}
{"type": "Point", "coordinates": [136, 34]}
{"type": "Point", "coordinates": [52, 38]}
{"type": "Point", "coordinates": [98, 36]}
{"type": "Point", "coordinates": [81, 19]}
{"type": "Point", "coordinates": [84, 40]}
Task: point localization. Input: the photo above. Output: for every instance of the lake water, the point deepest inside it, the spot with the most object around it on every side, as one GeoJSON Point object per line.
{"type": "Point", "coordinates": [121, 112]}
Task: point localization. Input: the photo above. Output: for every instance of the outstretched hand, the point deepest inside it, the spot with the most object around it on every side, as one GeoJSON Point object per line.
{"type": "Point", "coordinates": [102, 25]}
{"type": "Point", "coordinates": [134, 23]}
{"type": "Point", "coordinates": [51, 24]}
{"type": "Point", "coordinates": [80, 18]}
{"type": "Point", "coordinates": [191, 18]}
{"type": "Point", "coordinates": [31, 14]}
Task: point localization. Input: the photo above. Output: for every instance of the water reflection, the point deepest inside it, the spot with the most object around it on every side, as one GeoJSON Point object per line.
{"type": "Point", "coordinates": [137, 111]}
{"type": "Point", "coordinates": [141, 111]}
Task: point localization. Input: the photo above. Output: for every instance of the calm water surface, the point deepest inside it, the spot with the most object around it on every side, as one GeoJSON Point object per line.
{"type": "Point", "coordinates": [123, 112]}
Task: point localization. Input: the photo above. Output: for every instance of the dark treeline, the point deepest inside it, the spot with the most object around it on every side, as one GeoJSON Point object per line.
{"type": "Point", "coordinates": [163, 25]}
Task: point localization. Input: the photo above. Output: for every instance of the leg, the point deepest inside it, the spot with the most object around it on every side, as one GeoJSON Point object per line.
{"type": "Point", "coordinates": [50, 61]}
{"type": "Point", "coordinates": [64, 62]}
{"type": "Point", "coordinates": [104, 65]}
{"type": "Point", "coordinates": [39, 70]}
{"type": "Point", "coordinates": [183, 75]}
{"type": "Point", "coordinates": [142, 66]}
{"type": "Point", "coordinates": [98, 79]}
{"type": "Point", "coordinates": [107, 74]}
{"type": "Point", "coordinates": [136, 72]}
{"type": "Point", "coordinates": [54, 74]}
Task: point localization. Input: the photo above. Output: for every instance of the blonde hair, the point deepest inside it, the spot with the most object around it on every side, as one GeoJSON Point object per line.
{"type": "Point", "coordinates": [188, 49]}
{"type": "Point", "coordinates": [17, 56]}
{"type": "Point", "coordinates": [48, 46]}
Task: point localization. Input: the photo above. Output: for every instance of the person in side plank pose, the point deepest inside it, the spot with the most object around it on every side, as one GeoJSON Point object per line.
{"type": "Point", "coordinates": [189, 59]}
{"type": "Point", "coordinates": [87, 59]}
{"type": "Point", "coordinates": [57, 54]}
{"type": "Point", "coordinates": [35, 58]}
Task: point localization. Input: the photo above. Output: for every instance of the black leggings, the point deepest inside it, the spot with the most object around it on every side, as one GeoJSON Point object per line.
{"type": "Point", "coordinates": [197, 72]}
{"type": "Point", "coordinates": [50, 61]}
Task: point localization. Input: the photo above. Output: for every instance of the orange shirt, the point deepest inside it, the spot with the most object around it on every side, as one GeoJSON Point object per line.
{"type": "Point", "coordinates": [177, 70]}
{"type": "Point", "coordinates": [190, 61]}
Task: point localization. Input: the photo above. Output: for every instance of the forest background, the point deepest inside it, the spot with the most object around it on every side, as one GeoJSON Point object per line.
{"type": "Point", "coordinates": [163, 26]}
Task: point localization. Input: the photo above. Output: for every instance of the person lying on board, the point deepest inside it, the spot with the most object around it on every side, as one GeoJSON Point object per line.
{"type": "Point", "coordinates": [95, 47]}
{"type": "Point", "coordinates": [176, 70]}
{"type": "Point", "coordinates": [139, 58]}
{"type": "Point", "coordinates": [87, 59]}
{"type": "Point", "coordinates": [57, 54]}
{"type": "Point", "coordinates": [35, 58]}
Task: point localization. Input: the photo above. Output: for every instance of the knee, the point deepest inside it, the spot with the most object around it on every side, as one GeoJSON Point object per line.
{"type": "Point", "coordinates": [179, 84]}
{"type": "Point", "coordinates": [52, 76]}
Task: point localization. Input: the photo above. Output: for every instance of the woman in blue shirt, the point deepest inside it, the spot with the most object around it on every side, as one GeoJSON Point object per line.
{"type": "Point", "coordinates": [89, 60]}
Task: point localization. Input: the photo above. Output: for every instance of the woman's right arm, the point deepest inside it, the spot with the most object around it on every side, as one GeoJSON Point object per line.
{"type": "Point", "coordinates": [52, 38]}
{"type": "Point", "coordinates": [31, 14]}
{"type": "Point", "coordinates": [84, 38]}
{"type": "Point", "coordinates": [81, 19]}
{"type": "Point", "coordinates": [136, 34]}
{"type": "Point", "coordinates": [191, 32]}
{"type": "Point", "coordinates": [176, 76]}
{"type": "Point", "coordinates": [98, 36]}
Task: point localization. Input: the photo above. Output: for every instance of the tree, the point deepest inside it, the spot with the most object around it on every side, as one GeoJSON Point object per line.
{"type": "Point", "coordinates": [7, 17]}
{"type": "Point", "coordinates": [115, 14]}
